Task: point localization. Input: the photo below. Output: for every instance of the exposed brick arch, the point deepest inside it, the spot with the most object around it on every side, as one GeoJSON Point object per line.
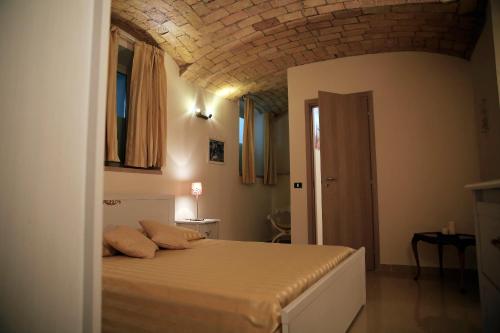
{"type": "Point", "coordinates": [249, 44]}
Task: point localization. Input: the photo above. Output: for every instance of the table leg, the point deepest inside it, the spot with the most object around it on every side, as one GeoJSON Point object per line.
{"type": "Point", "coordinates": [440, 251]}
{"type": "Point", "coordinates": [414, 243]}
{"type": "Point", "coordinates": [461, 259]}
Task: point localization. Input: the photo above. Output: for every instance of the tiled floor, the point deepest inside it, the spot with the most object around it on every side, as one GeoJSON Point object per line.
{"type": "Point", "coordinates": [398, 304]}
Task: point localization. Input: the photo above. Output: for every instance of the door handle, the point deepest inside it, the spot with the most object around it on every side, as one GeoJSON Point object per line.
{"type": "Point", "coordinates": [329, 180]}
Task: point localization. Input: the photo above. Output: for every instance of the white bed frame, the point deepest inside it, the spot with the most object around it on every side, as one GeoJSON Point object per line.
{"type": "Point", "coordinates": [332, 303]}
{"type": "Point", "coordinates": [125, 209]}
{"type": "Point", "coordinates": [328, 306]}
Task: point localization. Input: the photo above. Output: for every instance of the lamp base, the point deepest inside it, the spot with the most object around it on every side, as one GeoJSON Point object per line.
{"type": "Point", "coordinates": [196, 219]}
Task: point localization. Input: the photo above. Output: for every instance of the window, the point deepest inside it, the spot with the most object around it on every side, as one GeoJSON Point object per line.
{"type": "Point", "coordinates": [258, 129]}
{"type": "Point", "coordinates": [241, 128]}
{"type": "Point", "coordinates": [121, 112]}
{"type": "Point", "coordinates": [121, 85]}
{"type": "Point", "coordinates": [258, 137]}
{"type": "Point", "coordinates": [124, 70]}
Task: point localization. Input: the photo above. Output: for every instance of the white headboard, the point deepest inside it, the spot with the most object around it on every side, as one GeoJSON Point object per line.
{"type": "Point", "coordinates": [128, 209]}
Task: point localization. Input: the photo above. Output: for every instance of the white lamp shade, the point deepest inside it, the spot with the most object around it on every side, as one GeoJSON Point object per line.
{"type": "Point", "coordinates": [196, 189]}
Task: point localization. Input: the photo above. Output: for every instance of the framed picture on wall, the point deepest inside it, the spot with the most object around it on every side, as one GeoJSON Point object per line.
{"type": "Point", "coordinates": [215, 151]}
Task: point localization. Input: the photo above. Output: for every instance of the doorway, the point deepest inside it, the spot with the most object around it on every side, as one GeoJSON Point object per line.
{"type": "Point", "coordinates": [342, 201]}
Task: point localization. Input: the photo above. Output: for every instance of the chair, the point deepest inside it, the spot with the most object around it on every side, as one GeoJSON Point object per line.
{"type": "Point", "coordinates": [280, 220]}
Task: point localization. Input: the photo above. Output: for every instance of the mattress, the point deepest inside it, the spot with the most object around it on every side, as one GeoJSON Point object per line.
{"type": "Point", "coordinates": [216, 286]}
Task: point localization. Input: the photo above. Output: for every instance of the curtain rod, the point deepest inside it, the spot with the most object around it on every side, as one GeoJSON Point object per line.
{"type": "Point", "coordinates": [126, 35]}
{"type": "Point", "coordinates": [259, 109]}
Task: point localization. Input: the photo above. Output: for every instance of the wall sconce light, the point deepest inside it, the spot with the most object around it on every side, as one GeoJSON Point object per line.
{"type": "Point", "coordinates": [200, 114]}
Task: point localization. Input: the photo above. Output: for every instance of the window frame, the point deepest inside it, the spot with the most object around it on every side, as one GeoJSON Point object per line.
{"type": "Point", "coordinates": [128, 43]}
{"type": "Point", "coordinates": [241, 115]}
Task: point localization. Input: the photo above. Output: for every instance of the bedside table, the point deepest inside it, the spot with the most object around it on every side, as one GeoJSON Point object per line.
{"type": "Point", "coordinates": [207, 227]}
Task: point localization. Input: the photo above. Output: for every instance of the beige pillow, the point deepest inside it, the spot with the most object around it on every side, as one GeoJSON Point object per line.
{"type": "Point", "coordinates": [130, 241]}
{"type": "Point", "coordinates": [190, 234]}
{"type": "Point", "coordinates": [107, 250]}
{"type": "Point", "coordinates": [164, 235]}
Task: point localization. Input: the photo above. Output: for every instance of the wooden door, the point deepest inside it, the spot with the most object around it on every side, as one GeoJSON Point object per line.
{"type": "Point", "coordinates": [346, 172]}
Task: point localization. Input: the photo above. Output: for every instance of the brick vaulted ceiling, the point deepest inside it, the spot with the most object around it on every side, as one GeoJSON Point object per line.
{"type": "Point", "coordinates": [238, 47]}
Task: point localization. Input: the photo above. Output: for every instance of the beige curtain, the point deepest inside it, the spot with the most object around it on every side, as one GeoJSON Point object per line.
{"type": "Point", "coordinates": [111, 132]}
{"type": "Point", "coordinates": [270, 173]}
{"type": "Point", "coordinates": [146, 130]}
{"type": "Point", "coordinates": [248, 158]}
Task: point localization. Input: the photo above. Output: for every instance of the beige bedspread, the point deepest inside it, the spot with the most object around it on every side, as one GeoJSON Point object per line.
{"type": "Point", "coordinates": [217, 286]}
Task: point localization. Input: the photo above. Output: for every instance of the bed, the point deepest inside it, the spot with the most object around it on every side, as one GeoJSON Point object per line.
{"type": "Point", "coordinates": [227, 286]}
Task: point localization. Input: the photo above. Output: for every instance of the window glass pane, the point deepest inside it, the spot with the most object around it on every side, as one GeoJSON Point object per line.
{"type": "Point", "coordinates": [121, 113]}
{"type": "Point", "coordinates": [125, 57]}
{"type": "Point", "coordinates": [124, 69]}
{"type": "Point", "coordinates": [241, 127]}
{"type": "Point", "coordinates": [259, 143]}
{"type": "Point", "coordinates": [258, 139]}
{"type": "Point", "coordinates": [121, 95]}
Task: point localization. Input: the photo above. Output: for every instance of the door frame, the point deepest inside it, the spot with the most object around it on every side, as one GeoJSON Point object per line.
{"type": "Point", "coordinates": [311, 215]}
{"type": "Point", "coordinates": [311, 198]}
{"type": "Point", "coordinates": [94, 188]}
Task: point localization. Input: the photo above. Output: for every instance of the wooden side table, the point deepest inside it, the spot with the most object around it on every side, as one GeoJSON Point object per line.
{"type": "Point", "coordinates": [207, 227]}
{"type": "Point", "coordinates": [460, 241]}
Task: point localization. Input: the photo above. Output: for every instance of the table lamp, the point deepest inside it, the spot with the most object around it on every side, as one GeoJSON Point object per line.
{"type": "Point", "coordinates": [196, 190]}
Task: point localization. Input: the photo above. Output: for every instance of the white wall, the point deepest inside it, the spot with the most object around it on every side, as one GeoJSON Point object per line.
{"type": "Point", "coordinates": [485, 63]}
{"type": "Point", "coordinates": [424, 136]}
{"type": "Point", "coordinates": [281, 139]}
{"type": "Point", "coordinates": [495, 26]}
{"type": "Point", "coordinates": [281, 191]}
{"type": "Point", "coordinates": [242, 208]}
{"type": "Point", "coordinates": [52, 57]}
